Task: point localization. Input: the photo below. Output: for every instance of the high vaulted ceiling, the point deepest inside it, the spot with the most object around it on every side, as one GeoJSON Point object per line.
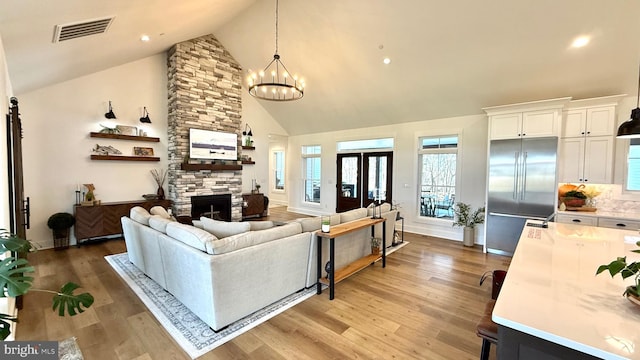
{"type": "Point", "coordinates": [448, 58]}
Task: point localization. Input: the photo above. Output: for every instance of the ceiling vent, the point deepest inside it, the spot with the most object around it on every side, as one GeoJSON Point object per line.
{"type": "Point", "coordinates": [81, 29]}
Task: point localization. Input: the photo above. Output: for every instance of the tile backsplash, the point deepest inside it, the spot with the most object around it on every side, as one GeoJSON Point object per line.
{"type": "Point", "coordinates": [610, 199]}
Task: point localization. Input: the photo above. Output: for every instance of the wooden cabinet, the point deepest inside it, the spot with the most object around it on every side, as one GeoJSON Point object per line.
{"type": "Point", "coordinates": [586, 159]}
{"type": "Point", "coordinates": [586, 147]}
{"type": "Point", "coordinates": [577, 219]}
{"type": "Point", "coordinates": [526, 124]}
{"type": "Point", "coordinates": [600, 221]}
{"type": "Point", "coordinates": [104, 220]}
{"type": "Point", "coordinates": [597, 121]}
{"type": "Point", "coordinates": [253, 205]}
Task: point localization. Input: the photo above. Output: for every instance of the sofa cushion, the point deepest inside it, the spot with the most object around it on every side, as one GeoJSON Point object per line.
{"type": "Point", "coordinates": [223, 229]}
{"type": "Point", "coordinates": [198, 224]}
{"type": "Point", "coordinates": [309, 224]}
{"type": "Point", "coordinates": [160, 211]}
{"type": "Point", "coordinates": [140, 215]}
{"type": "Point", "coordinates": [260, 225]}
{"type": "Point", "coordinates": [159, 223]}
{"type": "Point", "coordinates": [192, 236]}
{"type": "Point", "coordinates": [252, 238]}
{"type": "Point", "coordinates": [354, 214]}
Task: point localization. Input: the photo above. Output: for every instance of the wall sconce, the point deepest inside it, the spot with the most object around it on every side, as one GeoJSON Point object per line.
{"type": "Point", "coordinates": [246, 135]}
{"type": "Point", "coordinates": [145, 118]}
{"type": "Point", "coordinates": [110, 114]}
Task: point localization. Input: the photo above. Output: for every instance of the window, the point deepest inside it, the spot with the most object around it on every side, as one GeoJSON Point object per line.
{"type": "Point", "coordinates": [278, 165]}
{"type": "Point", "coordinates": [633, 166]}
{"type": "Point", "coordinates": [311, 167]}
{"type": "Point", "coordinates": [377, 144]}
{"type": "Point", "coordinates": [438, 168]}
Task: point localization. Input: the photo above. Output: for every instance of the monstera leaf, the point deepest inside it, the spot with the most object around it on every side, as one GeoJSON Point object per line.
{"type": "Point", "coordinates": [11, 242]}
{"type": "Point", "coordinates": [12, 277]}
{"type": "Point", "coordinates": [66, 299]}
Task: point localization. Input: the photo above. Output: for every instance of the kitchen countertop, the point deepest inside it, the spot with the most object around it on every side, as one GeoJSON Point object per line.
{"type": "Point", "coordinates": [551, 290]}
{"type": "Point", "coordinates": [603, 213]}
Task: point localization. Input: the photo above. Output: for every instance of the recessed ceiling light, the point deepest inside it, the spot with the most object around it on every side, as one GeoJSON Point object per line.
{"type": "Point", "coordinates": [145, 38]}
{"type": "Point", "coordinates": [387, 61]}
{"type": "Point", "coordinates": [580, 41]}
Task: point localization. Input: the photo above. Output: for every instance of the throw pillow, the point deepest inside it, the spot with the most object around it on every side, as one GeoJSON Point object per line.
{"type": "Point", "coordinates": [222, 229]}
{"type": "Point", "coordinates": [160, 211]}
{"type": "Point", "coordinates": [260, 225]}
{"type": "Point", "coordinates": [159, 223]}
{"type": "Point", "coordinates": [140, 214]}
{"type": "Point", "coordinates": [192, 236]}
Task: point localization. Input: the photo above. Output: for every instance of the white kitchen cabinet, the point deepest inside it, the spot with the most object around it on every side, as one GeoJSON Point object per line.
{"type": "Point", "coordinates": [524, 124]}
{"type": "Point", "coordinates": [586, 160]}
{"type": "Point", "coordinates": [596, 121]}
{"type": "Point", "coordinates": [616, 223]}
{"type": "Point", "coordinates": [577, 219]}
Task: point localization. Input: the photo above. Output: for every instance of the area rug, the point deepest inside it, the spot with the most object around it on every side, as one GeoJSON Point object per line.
{"type": "Point", "coordinates": [68, 350]}
{"type": "Point", "coordinates": [194, 336]}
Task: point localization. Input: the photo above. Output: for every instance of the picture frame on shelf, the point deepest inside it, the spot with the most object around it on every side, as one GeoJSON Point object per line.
{"type": "Point", "coordinates": [142, 151]}
{"type": "Point", "coordinates": [127, 130]}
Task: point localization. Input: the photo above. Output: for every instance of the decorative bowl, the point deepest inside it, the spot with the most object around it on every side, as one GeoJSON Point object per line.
{"type": "Point", "coordinates": [572, 201]}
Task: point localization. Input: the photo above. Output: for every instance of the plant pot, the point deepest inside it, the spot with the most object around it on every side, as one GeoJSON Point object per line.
{"type": "Point", "coordinates": [634, 299]}
{"type": "Point", "coordinates": [60, 238]}
{"type": "Point", "coordinates": [468, 236]}
{"type": "Point", "coordinates": [573, 201]}
{"type": "Point", "coordinates": [375, 250]}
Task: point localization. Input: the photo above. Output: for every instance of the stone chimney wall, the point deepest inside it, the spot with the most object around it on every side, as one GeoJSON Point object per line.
{"type": "Point", "coordinates": [204, 93]}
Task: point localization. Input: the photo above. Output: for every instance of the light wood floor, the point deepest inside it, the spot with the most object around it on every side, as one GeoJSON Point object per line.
{"type": "Point", "coordinates": [423, 305]}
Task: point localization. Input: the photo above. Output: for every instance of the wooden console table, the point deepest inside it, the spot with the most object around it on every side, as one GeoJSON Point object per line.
{"type": "Point", "coordinates": [99, 221]}
{"type": "Point", "coordinates": [342, 229]}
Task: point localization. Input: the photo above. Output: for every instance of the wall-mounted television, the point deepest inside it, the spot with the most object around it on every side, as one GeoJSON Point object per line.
{"type": "Point", "coordinates": [212, 145]}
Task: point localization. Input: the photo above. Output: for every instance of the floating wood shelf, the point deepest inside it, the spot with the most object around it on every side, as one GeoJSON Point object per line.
{"type": "Point", "coordinates": [248, 147]}
{"type": "Point", "coordinates": [124, 137]}
{"type": "Point", "coordinates": [124, 158]}
{"type": "Point", "coordinates": [248, 162]}
{"type": "Point", "coordinates": [211, 167]}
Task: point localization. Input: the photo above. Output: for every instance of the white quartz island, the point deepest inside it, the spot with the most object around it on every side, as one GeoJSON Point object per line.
{"type": "Point", "coordinates": [552, 306]}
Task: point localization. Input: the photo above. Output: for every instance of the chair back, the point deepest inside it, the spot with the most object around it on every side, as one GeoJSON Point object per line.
{"type": "Point", "coordinates": [497, 277]}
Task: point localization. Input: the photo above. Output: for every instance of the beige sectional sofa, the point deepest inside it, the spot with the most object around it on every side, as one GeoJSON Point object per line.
{"type": "Point", "coordinates": [225, 271]}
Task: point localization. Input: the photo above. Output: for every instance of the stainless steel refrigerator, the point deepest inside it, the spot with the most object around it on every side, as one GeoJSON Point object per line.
{"type": "Point", "coordinates": [522, 185]}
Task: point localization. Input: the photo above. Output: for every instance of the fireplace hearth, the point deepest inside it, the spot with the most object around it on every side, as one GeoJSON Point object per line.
{"type": "Point", "coordinates": [217, 207]}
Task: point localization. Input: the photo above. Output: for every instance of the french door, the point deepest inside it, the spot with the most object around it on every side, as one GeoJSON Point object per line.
{"type": "Point", "coordinates": [363, 178]}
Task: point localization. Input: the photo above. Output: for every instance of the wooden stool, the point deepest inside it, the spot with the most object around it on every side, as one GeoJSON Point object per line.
{"type": "Point", "coordinates": [487, 330]}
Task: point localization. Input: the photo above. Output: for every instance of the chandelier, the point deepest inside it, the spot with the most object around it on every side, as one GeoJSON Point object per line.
{"type": "Point", "coordinates": [275, 82]}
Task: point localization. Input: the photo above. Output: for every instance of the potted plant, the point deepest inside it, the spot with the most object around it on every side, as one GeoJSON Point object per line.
{"type": "Point", "coordinates": [468, 219]}
{"type": "Point", "coordinates": [619, 265]}
{"type": "Point", "coordinates": [574, 198]}
{"type": "Point", "coordinates": [14, 281]}
{"type": "Point", "coordinates": [60, 223]}
{"type": "Point", "coordinates": [375, 245]}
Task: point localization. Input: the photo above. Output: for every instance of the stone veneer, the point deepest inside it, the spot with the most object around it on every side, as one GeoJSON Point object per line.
{"type": "Point", "coordinates": [204, 92]}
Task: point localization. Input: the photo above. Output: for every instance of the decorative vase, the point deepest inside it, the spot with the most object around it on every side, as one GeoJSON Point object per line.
{"type": "Point", "coordinates": [160, 193]}
{"type": "Point", "coordinates": [375, 250]}
{"type": "Point", "coordinates": [468, 236]}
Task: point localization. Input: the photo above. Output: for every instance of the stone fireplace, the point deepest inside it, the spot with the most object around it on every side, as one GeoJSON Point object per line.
{"type": "Point", "coordinates": [204, 92]}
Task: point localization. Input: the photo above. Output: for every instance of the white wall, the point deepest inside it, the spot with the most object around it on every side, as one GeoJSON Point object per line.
{"type": "Point", "coordinates": [262, 125]}
{"type": "Point", "coordinates": [5, 94]}
{"type": "Point", "coordinates": [473, 141]}
{"type": "Point", "coordinates": [57, 121]}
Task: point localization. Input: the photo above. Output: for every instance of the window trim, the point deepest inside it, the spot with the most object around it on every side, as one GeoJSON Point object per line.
{"type": "Point", "coordinates": [304, 157]}
{"type": "Point", "coordinates": [459, 156]}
